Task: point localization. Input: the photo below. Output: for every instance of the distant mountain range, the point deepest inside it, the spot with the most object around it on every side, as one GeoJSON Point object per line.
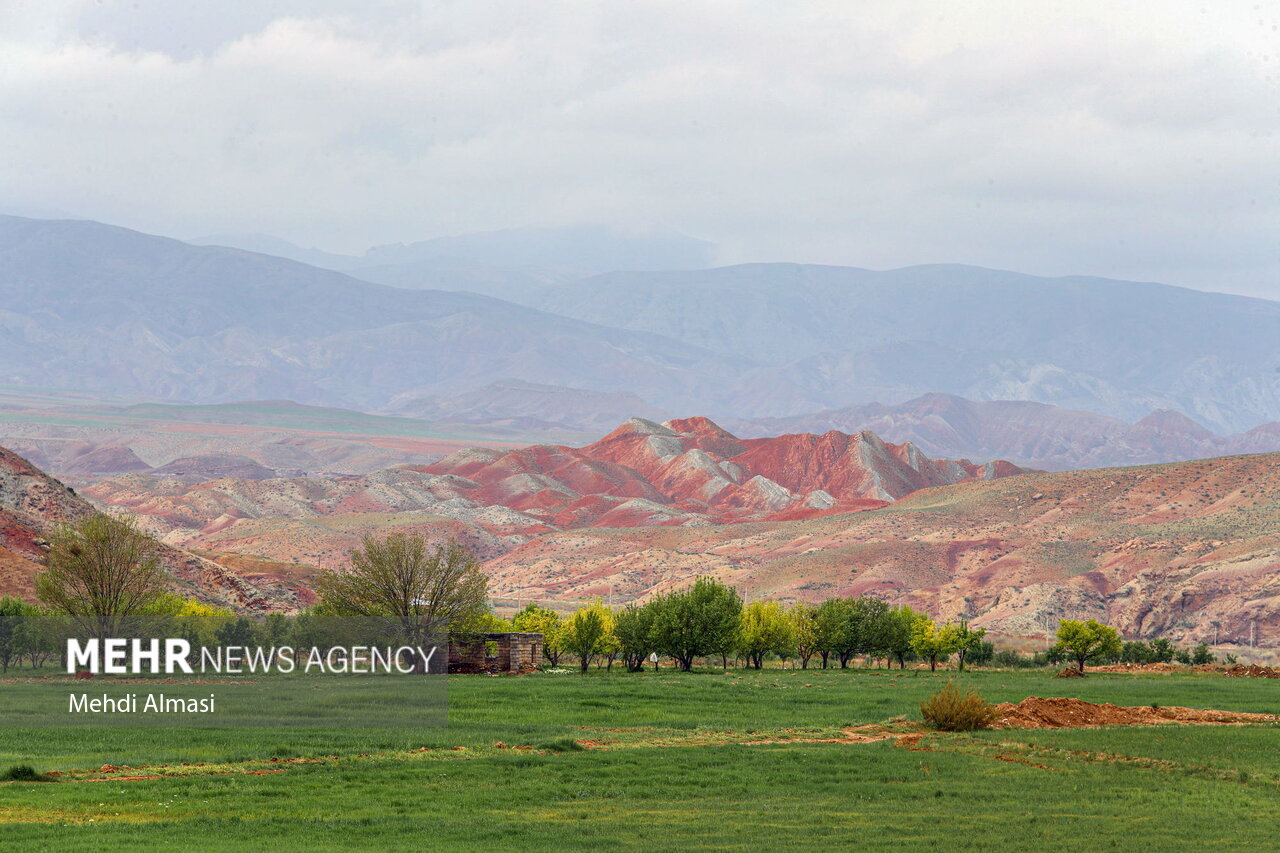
{"type": "Point", "coordinates": [87, 305]}
{"type": "Point", "coordinates": [1032, 434]}
{"type": "Point", "coordinates": [514, 264]}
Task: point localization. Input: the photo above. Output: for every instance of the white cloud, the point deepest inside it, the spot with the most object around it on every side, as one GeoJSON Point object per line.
{"type": "Point", "coordinates": [1093, 137]}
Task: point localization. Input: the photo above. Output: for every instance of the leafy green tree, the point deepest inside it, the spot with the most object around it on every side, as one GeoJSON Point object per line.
{"type": "Point", "coordinates": [834, 627]}
{"type": "Point", "coordinates": [1201, 655]}
{"type": "Point", "coordinates": [103, 573]}
{"type": "Point", "coordinates": [804, 630]}
{"type": "Point", "coordinates": [241, 631]}
{"type": "Point", "coordinates": [275, 630]}
{"type": "Point", "coordinates": [545, 621]}
{"type": "Point", "coordinates": [44, 633]}
{"type": "Point", "coordinates": [697, 621]}
{"type": "Point", "coordinates": [764, 629]}
{"type": "Point", "coordinates": [899, 624]}
{"type": "Point", "coordinates": [634, 630]}
{"type": "Point", "coordinates": [586, 631]}
{"type": "Point", "coordinates": [1081, 640]}
{"type": "Point", "coordinates": [982, 654]}
{"type": "Point", "coordinates": [1162, 650]}
{"type": "Point", "coordinates": [1137, 652]}
{"type": "Point", "coordinates": [404, 592]}
{"type": "Point", "coordinates": [967, 641]}
{"type": "Point", "coordinates": [13, 627]}
{"type": "Point", "coordinates": [870, 625]}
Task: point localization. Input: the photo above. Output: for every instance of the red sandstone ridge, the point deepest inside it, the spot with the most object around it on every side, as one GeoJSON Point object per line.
{"type": "Point", "coordinates": [694, 471]}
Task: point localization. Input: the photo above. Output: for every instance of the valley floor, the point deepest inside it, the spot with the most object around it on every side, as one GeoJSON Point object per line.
{"type": "Point", "coordinates": [664, 761]}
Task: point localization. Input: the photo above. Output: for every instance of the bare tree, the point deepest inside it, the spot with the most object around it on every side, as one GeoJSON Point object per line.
{"type": "Point", "coordinates": [103, 573]}
{"type": "Point", "coordinates": [404, 591]}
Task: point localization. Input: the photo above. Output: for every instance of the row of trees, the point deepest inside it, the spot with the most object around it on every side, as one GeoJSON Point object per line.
{"type": "Point", "coordinates": [103, 579]}
{"type": "Point", "coordinates": [709, 620]}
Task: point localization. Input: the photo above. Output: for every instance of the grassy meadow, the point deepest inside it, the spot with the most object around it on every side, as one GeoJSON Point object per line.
{"type": "Point", "coordinates": [667, 761]}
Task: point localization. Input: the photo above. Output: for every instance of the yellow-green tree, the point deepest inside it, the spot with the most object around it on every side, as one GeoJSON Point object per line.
{"type": "Point", "coordinates": [196, 622]}
{"type": "Point", "coordinates": [764, 629]}
{"type": "Point", "coordinates": [589, 632]}
{"type": "Point", "coordinates": [934, 642]}
{"type": "Point", "coordinates": [545, 621]}
{"type": "Point", "coordinates": [1080, 641]}
{"type": "Point", "coordinates": [804, 630]}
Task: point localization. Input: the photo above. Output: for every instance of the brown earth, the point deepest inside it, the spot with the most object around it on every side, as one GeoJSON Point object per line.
{"type": "Point", "coordinates": [1059, 713]}
{"type": "Point", "coordinates": [1241, 671]}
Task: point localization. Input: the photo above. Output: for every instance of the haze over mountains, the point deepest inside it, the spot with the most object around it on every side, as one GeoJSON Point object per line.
{"type": "Point", "coordinates": [93, 306]}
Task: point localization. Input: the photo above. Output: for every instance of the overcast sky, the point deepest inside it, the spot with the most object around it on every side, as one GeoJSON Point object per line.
{"type": "Point", "coordinates": [1126, 139]}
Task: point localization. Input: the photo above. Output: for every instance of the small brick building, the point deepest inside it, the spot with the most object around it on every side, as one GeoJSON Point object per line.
{"type": "Point", "coordinates": [503, 653]}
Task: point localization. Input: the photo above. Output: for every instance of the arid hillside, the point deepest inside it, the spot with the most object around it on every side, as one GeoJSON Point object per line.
{"type": "Point", "coordinates": [32, 502]}
{"type": "Point", "coordinates": [1189, 550]}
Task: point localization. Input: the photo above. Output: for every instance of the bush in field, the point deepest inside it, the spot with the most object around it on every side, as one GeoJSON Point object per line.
{"type": "Point", "coordinates": [949, 710]}
{"type": "Point", "coordinates": [23, 773]}
{"type": "Point", "coordinates": [1201, 655]}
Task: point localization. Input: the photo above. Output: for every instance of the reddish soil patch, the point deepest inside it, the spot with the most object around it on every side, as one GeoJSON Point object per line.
{"type": "Point", "coordinates": [1070, 672]}
{"type": "Point", "coordinates": [1060, 713]}
{"type": "Point", "coordinates": [1239, 670]}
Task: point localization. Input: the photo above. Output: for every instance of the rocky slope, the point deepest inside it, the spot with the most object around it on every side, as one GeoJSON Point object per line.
{"type": "Point", "coordinates": [31, 502]}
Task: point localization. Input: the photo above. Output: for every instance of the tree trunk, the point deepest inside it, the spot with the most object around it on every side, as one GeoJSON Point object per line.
{"type": "Point", "coordinates": [933, 664]}
{"type": "Point", "coordinates": [586, 662]}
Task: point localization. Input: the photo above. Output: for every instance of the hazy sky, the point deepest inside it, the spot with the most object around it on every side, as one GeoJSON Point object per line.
{"type": "Point", "coordinates": [1126, 139]}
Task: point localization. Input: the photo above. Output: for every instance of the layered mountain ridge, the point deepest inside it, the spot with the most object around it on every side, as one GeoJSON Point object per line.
{"type": "Point", "coordinates": [684, 473]}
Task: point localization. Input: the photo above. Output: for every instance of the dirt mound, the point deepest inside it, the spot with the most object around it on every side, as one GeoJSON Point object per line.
{"type": "Point", "coordinates": [1060, 713]}
{"type": "Point", "coordinates": [1070, 672]}
{"type": "Point", "coordinates": [1239, 670]}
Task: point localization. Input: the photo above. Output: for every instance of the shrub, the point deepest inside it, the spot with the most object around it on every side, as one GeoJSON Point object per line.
{"type": "Point", "coordinates": [949, 710]}
{"type": "Point", "coordinates": [23, 773]}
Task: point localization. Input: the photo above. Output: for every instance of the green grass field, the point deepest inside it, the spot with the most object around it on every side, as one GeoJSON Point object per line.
{"type": "Point", "coordinates": [671, 761]}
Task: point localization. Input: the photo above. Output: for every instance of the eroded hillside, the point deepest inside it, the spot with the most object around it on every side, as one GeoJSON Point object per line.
{"type": "Point", "coordinates": [1189, 550]}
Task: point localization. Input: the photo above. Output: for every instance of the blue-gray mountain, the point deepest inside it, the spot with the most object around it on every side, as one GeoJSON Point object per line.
{"type": "Point", "coordinates": [93, 306]}
{"type": "Point", "coordinates": [842, 335]}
